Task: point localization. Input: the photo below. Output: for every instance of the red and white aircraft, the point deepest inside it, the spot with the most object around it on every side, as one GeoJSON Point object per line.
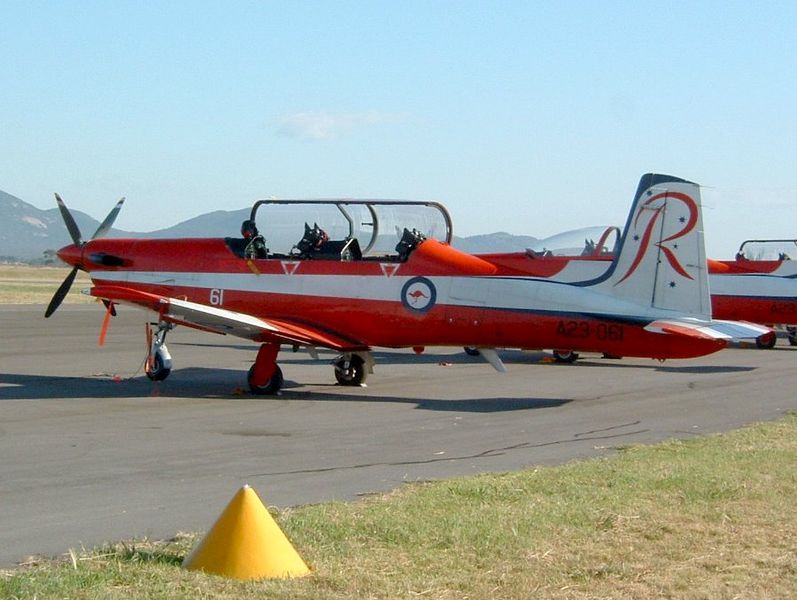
{"type": "Point", "coordinates": [759, 285]}
{"type": "Point", "coordinates": [349, 294]}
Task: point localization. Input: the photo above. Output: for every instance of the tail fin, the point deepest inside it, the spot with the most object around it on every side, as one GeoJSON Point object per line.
{"type": "Point", "coordinates": [662, 258]}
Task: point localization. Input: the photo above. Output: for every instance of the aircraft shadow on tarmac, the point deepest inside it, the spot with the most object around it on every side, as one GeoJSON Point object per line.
{"type": "Point", "coordinates": [545, 360]}
{"type": "Point", "coordinates": [472, 405]}
{"type": "Point", "coordinates": [396, 357]}
{"type": "Point", "coordinates": [686, 369]}
{"type": "Point", "coordinates": [225, 384]}
{"type": "Point", "coordinates": [509, 357]}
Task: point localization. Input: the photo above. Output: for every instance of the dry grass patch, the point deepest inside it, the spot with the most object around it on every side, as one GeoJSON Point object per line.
{"type": "Point", "coordinates": [708, 518]}
{"type": "Point", "coordinates": [23, 284]}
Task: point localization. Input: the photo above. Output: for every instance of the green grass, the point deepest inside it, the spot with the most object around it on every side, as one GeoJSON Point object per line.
{"type": "Point", "coordinates": [713, 517]}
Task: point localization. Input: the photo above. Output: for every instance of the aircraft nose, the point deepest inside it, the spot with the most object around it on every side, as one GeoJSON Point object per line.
{"type": "Point", "coordinates": [71, 255]}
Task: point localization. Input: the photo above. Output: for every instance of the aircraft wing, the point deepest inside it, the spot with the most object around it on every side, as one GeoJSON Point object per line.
{"type": "Point", "coordinates": [226, 322]}
{"type": "Point", "coordinates": [736, 331]}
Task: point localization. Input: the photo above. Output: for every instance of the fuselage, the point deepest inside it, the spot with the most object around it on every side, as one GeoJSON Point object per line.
{"type": "Point", "coordinates": [761, 291]}
{"type": "Point", "coordinates": [437, 297]}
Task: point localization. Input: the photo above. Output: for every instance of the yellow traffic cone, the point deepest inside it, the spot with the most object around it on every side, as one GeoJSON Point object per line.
{"type": "Point", "coordinates": [246, 543]}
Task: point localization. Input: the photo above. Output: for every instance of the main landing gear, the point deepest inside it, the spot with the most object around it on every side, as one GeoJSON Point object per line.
{"type": "Point", "coordinates": [565, 356]}
{"type": "Point", "coordinates": [159, 362]}
{"type": "Point", "coordinates": [265, 376]}
{"type": "Point", "coordinates": [353, 368]}
{"type": "Point", "coordinates": [766, 341]}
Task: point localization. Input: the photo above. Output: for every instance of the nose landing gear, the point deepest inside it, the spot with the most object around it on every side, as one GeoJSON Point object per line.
{"type": "Point", "coordinates": [159, 362]}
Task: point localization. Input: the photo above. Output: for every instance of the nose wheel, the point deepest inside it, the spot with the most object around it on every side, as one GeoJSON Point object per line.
{"type": "Point", "coordinates": [159, 362]}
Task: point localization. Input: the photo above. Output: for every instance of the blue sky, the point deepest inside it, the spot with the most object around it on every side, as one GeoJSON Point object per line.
{"type": "Point", "coordinates": [526, 117]}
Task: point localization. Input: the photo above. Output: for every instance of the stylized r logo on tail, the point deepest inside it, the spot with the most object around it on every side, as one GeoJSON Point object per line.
{"type": "Point", "coordinates": [657, 205]}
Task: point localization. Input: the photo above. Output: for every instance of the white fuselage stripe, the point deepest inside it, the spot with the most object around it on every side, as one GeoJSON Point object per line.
{"type": "Point", "coordinates": [499, 293]}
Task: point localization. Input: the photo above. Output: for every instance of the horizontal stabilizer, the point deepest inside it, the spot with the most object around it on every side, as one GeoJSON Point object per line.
{"type": "Point", "coordinates": [741, 331]}
{"type": "Point", "coordinates": [730, 331]}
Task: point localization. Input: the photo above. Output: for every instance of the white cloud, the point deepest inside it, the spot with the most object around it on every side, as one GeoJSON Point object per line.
{"type": "Point", "coordinates": [327, 125]}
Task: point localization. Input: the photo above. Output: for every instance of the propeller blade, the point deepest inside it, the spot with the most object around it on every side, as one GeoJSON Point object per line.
{"type": "Point", "coordinates": [74, 230]}
{"type": "Point", "coordinates": [61, 293]}
{"type": "Point", "coordinates": [105, 226]}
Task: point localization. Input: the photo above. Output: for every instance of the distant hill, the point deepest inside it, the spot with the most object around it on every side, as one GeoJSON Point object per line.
{"type": "Point", "coordinates": [26, 232]}
{"type": "Point", "coordinates": [493, 242]}
{"type": "Point", "coordinates": [219, 223]}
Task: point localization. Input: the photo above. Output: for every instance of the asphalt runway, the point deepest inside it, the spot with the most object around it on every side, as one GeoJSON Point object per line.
{"type": "Point", "coordinates": [93, 451]}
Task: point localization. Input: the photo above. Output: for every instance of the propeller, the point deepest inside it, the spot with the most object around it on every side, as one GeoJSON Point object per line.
{"type": "Point", "coordinates": [77, 239]}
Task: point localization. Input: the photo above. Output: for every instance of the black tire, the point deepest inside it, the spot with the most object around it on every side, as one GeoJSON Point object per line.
{"type": "Point", "coordinates": [156, 371]}
{"type": "Point", "coordinates": [766, 341]}
{"type": "Point", "coordinates": [472, 351]}
{"type": "Point", "coordinates": [350, 372]}
{"type": "Point", "coordinates": [565, 356]}
{"type": "Point", "coordinates": [792, 335]}
{"type": "Point", "coordinates": [272, 386]}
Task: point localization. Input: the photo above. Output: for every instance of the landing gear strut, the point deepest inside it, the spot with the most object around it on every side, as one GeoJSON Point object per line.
{"type": "Point", "coordinates": [159, 361]}
{"type": "Point", "coordinates": [265, 376]}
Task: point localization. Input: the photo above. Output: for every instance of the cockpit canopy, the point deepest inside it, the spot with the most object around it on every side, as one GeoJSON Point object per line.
{"type": "Point", "coordinates": [599, 241]}
{"type": "Point", "coordinates": [767, 250]}
{"type": "Point", "coordinates": [377, 225]}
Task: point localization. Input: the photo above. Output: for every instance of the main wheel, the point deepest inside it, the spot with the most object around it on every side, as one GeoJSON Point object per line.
{"type": "Point", "coordinates": [472, 351]}
{"type": "Point", "coordinates": [350, 371]}
{"type": "Point", "coordinates": [792, 331]}
{"type": "Point", "coordinates": [272, 386]}
{"type": "Point", "coordinates": [766, 341]}
{"type": "Point", "coordinates": [156, 370]}
{"type": "Point", "coordinates": [565, 356]}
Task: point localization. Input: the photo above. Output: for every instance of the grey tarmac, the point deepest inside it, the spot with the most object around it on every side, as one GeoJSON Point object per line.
{"type": "Point", "coordinates": [92, 451]}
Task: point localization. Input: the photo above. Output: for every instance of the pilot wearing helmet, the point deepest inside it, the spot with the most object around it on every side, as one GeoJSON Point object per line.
{"type": "Point", "coordinates": [255, 243]}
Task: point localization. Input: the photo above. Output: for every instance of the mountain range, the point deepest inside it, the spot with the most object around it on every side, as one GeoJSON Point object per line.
{"type": "Point", "coordinates": [27, 232]}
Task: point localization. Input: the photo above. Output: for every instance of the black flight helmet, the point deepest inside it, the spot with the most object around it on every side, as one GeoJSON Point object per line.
{"type": "Point", "coordinates": [248, 229]}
